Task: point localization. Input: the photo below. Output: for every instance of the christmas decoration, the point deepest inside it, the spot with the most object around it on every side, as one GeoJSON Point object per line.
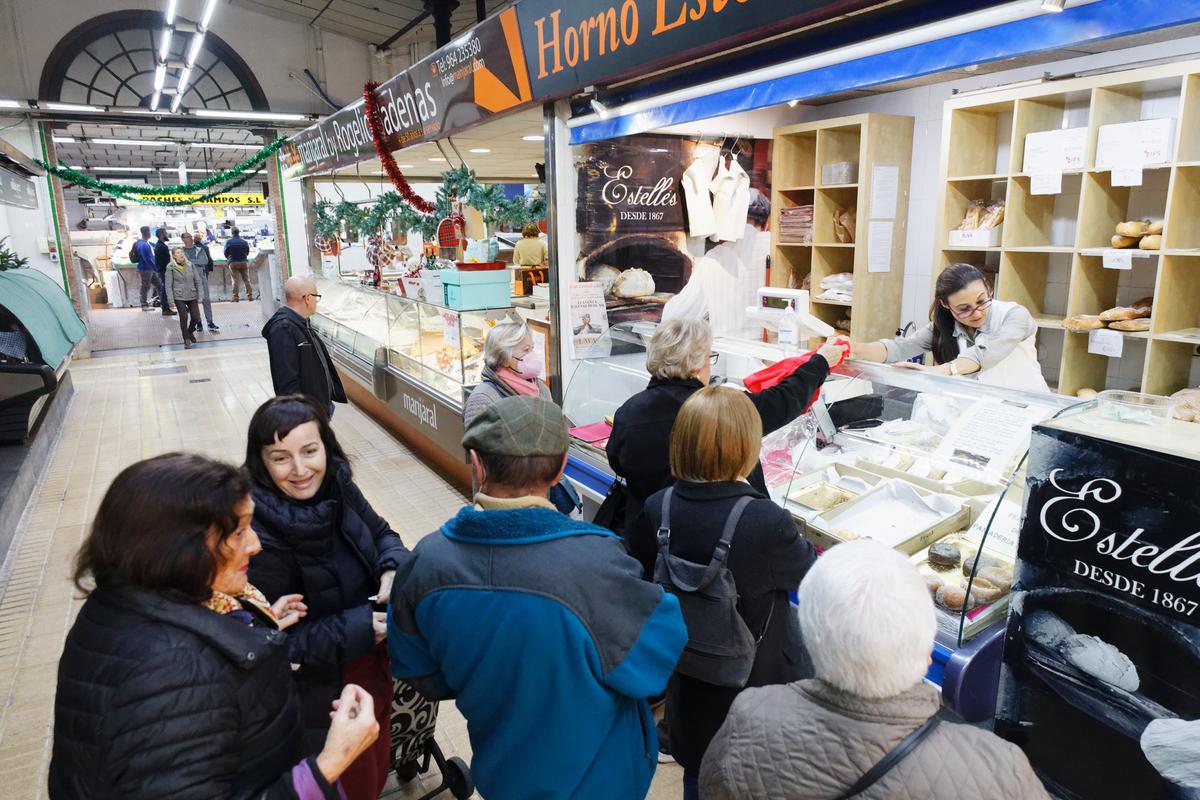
{"type": "Point", "coordinates": [375, 126]}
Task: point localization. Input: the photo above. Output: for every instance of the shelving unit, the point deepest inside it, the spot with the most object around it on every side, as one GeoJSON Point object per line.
{"type": "Point", "coordinates": [1050, 257]}
{"type": "Point", "coordinates": [868, 140]}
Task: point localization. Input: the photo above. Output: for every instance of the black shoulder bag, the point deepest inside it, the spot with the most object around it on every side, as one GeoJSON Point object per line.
{"type": "Point", "coordinates": [894, 757]}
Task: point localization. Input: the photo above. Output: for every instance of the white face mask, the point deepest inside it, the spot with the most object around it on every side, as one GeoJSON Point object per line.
{"type": "Point", "coordinates": [529, 366]}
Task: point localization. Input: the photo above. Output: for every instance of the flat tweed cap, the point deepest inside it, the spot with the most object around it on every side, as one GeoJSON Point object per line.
{"type": "Point", "coordinates": [518, 426]}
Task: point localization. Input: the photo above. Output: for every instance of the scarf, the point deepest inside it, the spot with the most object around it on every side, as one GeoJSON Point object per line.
{"type": "Point", "coordinates": [522, 386]}
{"type": "Point", "coordinates": [227, 604]}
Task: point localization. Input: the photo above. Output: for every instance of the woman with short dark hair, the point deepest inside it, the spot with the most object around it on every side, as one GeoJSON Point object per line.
{"type": "Point", "coordinates": [320, 536]}
{"type": "Point", "coordinates": [175, 681]}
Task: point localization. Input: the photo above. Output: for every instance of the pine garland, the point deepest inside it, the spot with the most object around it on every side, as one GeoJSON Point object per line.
{"type": "Point", "coordinates": [227, 180]}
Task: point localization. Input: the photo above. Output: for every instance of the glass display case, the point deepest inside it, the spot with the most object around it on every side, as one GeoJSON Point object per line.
{"type": "Point", "coordinates": [928, 465]}
{"type": "Point", "coordinates": [438, 347]}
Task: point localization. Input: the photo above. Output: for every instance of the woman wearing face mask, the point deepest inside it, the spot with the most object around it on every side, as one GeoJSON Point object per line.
{"type": "Point", "coordinates": [511, 367]}
{"type": "Point", "coordinates": [321, 538]}
{"type": "Point", "coordinates": [969, 333]}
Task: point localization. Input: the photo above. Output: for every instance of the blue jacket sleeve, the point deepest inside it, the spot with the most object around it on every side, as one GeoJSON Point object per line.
{"type": "Point", "coordinates": [644, 670]}
{"type": "Point", "coordinates": [409, 652]}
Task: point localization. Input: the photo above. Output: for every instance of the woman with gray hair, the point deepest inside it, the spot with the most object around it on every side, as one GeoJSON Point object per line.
{"type": "Point", "coordinates": [511, 367]}
{"type": "Point", "coordinates": [868, 620]}
{"type": "Point", "coordinates": [679, 360]}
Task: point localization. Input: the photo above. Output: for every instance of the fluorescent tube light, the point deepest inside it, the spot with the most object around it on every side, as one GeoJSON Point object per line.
{"type": "Point", "coordinates": [154, 101]}
{"type": "Point", "coordinates": [216, 113]}
{"type": "Point", "coordinates": [73, 107]}
{"type": "Point", "coordinates": [1054, 6]}
{"type": "Point", "coordinates": [164, 45]}
{"type": "Point", "coordinates": [209, 8]}
{"type": "Point", "coordinates": [123, 169]}
{"type": "Point", "coordinates": [63, 139]}
{"type": "Point", "coordinates": [160, 77]}
{"type": "Point", "coordinates": [11, 104]}
{"type": "Point", "coordinates": [194, 52]}
{"type": "Point", "coordinates": [170, 12]}
{"type": "Point", "coordinates": [537, 137]}
{"type": "Point", "coordinates": [480, 150]}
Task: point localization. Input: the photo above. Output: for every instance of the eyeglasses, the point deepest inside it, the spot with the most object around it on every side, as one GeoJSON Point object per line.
{"type": "Point", "coordinates": [969, 310]}
{"type": "Point", "coordinates": [712, 358]}
{"type": "Point", "coordinates": [317, 296]}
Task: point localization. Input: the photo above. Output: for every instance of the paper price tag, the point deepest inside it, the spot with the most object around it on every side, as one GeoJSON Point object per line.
{"type": "Point", "coordinates": [1127, 176]}
{"type": "Point", "coordinates": [1046, 183]}
{"type": "Point", "coordinates": [1105, 343]}
{"type": "Point", "coordinates": [1118, 259]}
{"type": "Point", "coordinates": [450, 330]}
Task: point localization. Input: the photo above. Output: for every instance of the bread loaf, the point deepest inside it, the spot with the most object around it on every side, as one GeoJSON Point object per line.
{"type": "Point", "coordinates": [1082, 322]}
{"type": "Point", "coordinates": [1128, 325]}
{"type": "Point", "coordinates": [1156, 228]}
{"type": "Point", "coordinates": [1143, 307]}
{"type": "Point", "coordinates": [1120, 241]}
{"type": "Point", "coordinates": [1086, 393]}
{"type": "Point", "coordinates": [1135, 227]}
{"type": "Point", "coordinates": [1117, 314]}
{"type": "Point", "coordinates": [1151, 242]}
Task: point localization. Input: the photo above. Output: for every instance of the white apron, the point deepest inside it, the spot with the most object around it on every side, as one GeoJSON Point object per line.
{"type": "Point", "coordinates": [1020, 370]}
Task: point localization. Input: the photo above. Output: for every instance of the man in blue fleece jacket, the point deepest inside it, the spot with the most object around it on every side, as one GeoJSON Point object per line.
{"type": "Point", "coordinates": [539, 626]}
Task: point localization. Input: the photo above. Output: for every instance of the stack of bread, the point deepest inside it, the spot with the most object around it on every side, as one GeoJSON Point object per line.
{"type": "Point", "coordinates": [1188, 409]}
{"type": "Point", "coordinates": [1131, 318]}
{"type": "Point", "coordinates": [981, 216]}
{"type": "Point", "coordinates": [1140, 233]}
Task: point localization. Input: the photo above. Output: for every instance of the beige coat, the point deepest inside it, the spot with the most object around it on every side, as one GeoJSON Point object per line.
{"type": "Point", "coordinates": [810, 741]}
{"type": "Point", "coordinates": [183, 282]}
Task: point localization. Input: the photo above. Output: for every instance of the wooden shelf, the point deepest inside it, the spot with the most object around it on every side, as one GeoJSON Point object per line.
{"type": "Point", "coordinates": [1186, 335]}
{"type": "Point", "coordinates": [798, 154]}
{"type": "Point", "coordinates": [1053, 245]}
{"type": "Point", "coordinates": [998, 176]}
{"type": "Point", "coordinates": [1126, 334]}
{"type": "Point", "coordinates": [965, 249]}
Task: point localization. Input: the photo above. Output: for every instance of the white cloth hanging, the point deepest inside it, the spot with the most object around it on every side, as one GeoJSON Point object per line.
{"type": "Point", "coordinates": [723, 283]}
{"type": "Point", "coordinates": [731, 200]}
{"type": "Point", "coordinates": [697, 195]}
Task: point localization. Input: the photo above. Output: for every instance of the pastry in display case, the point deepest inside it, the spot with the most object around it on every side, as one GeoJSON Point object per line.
{"type": "Point", "coordinates": [439, 347]}
{"type": "Point", "coordinates": [930, 465]}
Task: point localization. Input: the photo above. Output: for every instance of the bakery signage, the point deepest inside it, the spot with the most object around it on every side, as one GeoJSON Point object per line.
{"type": "Point", "coordinates": [631, 185]}
{"type": "Point", "coordinates": [535, 51]}
{"type": "Point", "coordinates": [1100, 682]}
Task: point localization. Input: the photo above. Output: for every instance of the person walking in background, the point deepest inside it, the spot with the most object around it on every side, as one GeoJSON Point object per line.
{"type": "Point", "coordinates": [183, 284]}
{"type": "Point", "coordinates": [198, 254]}
{"type": "Point", "coordinates": [321, 537]}
{"type": "Point", "coordinates": [174, 681]}
{"type": "Point", "coordinates": [237, 251]}
{"type": "Point", "coordinates": [162, 259]}
{"type": "Point", "coordinates": [300, 364]}
{"type": "Point", "coordinates": [715, 443]}
{"type": "Point", "coordinates": [539, 626]}
{"type": "Point", "coordinates": [146, 261]}
{"type": "Point", "coordinates": [869, 620]}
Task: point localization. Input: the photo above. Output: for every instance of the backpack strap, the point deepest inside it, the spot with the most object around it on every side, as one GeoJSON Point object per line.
{"type": "Point", "coordinates": [720, 552]}
{"type": "Point", "coordinates": [894, 757]}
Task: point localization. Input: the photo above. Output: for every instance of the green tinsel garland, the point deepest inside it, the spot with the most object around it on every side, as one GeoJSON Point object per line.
{"type": "Point", "coordinates": [140, 193]}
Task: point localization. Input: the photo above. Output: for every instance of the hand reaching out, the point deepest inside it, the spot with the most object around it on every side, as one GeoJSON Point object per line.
{"type": "Point", "coordinates": [289, 610]}
{"type": "Point", "coordinates": [353, 729]}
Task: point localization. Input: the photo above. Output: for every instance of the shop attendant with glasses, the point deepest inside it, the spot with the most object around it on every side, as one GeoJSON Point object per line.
{"type": "Point", "coordinates": [969, 333]}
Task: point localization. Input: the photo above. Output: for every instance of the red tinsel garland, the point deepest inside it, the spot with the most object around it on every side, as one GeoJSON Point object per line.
{"type": "Point", "coordinates": [375, 126]}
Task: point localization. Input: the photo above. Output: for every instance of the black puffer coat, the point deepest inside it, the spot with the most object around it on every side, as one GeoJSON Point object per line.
{"type": "Point", "coordinates": [163, 699]}
{"type": "Point", "coordinates": [333, 551]}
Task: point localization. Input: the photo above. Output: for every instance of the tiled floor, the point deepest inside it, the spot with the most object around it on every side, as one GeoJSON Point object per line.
{"type": "Point", "coordinates": [120, 328]}
{"type": "Point", "coordinates": [123, 412]}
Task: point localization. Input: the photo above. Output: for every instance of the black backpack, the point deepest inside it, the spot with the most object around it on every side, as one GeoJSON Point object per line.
{"type": "Point", "coordinates": [720, 649]}
{"type": "Point", "coordinates": [133, 254]}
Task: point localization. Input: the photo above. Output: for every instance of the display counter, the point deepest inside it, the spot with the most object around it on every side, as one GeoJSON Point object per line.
{"type": "Point", "coordinates": [410, 363]}
{"type": "Point", "coordinates": [928, 465]}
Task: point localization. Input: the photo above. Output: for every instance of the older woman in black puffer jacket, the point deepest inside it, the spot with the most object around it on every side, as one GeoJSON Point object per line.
{"type": "Point", "coordinates": [321, 538]}
{"type": "Point", "coordinates": [174, 681]}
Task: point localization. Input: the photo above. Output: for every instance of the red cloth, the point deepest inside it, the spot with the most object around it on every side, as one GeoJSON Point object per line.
{"type": "Point", "coordinates": [364, 779]}
{"type": "Point", "coordinates": [770, 376]}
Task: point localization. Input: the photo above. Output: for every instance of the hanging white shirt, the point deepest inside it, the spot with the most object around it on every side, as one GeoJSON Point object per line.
{"type": "Point", "coordinates": [723, 283]}
{"type": "Point", "coordinates": [731, 200]}
{"type": "Point", "coordinates": [697, 195]}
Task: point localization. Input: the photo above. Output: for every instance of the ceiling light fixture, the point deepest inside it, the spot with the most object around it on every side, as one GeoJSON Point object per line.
{"type": "Point", "coordinates": [537, 137]}
{"type": "Point", "coordinates": [133, 142]}
{"type": "Point", "coordinates": [170, 12]}
{"type": "Point", "coordinates": [599, 108]}
{"type": "Point", "coordinates": [164, 45]}
{"type": "Point", "coordinates": [793, 103]}
{"type": "Point", "coordinates": [73, 107]}
{"type": "Point", "coordinates": [221, 146]}
{"type": "Point", "coordinates": [194, 52]}
{"type": "Point", "coordinates": [405, 166]}
{"type": "Point", "coordinates": [176, 102]}
{"type": "Point", "coordinates": [479, 150]}
{"type": "Point", "coordinates": [10, 104]}
{"type": "Point", "coordinates": [63, 139]}
{"type": "Point", "coordinates": [209, 8]}
{"type": "Point", "coordinates": [154, 101]}
{"type": "Point", "coordinates": [123, 169]}
{"type": "Point", "coordinates": [216, 113]}
{"type": "Point", "coordinates": [1054, 6]}
{"type": "Point", "coordinates": [437, 158]}
{"type": "Point", "coordinates": [160, 77]}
